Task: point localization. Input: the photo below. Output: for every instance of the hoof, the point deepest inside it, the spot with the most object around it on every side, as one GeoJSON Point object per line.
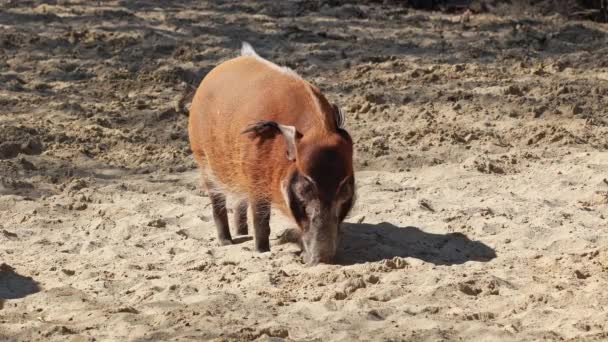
{"type": "Point", "coordinates": [224, 242]}
{"type": "Point", "coordinates": [262, 247]}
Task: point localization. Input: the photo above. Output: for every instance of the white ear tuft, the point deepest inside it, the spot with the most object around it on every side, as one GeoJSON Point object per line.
{"type": "Point", "coordinates": [247, 50]}
{"type": "Point", "coordinates": [339, 117]}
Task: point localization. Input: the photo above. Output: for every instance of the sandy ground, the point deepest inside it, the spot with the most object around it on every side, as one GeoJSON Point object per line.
{"type": "Point", "coordinates": [482, 176]}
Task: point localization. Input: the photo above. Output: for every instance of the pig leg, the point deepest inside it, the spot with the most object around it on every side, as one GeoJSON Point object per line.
{"type": "Point", "coordinates": [240, 217]}
{"type": "Point", "coordinates": [261, 224]}
{"type": "Point", "coordinates": [220, 214]}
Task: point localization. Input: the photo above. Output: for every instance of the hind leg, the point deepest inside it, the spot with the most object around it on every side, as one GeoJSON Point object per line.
{"type": "Point", "coordinates": [220, 214]}
{"type": "Point", "coordinates": [240, 217]}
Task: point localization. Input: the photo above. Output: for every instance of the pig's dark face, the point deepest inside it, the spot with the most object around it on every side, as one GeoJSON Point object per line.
{"type": "Point", "coordinates": [320, 192]}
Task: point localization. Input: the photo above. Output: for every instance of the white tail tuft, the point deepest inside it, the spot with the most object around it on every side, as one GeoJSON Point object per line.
{"type": "Point", "coordinates": [247, 50]}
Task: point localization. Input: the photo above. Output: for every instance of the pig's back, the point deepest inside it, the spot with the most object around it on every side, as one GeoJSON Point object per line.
{"type": "Point", "coordinates": [232, 96]}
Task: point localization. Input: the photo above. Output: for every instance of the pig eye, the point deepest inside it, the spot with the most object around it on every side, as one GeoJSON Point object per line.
{"type": "Point", "coordinates": [300, 191]}
{"type": "Point", "coordinates": [304, 188]}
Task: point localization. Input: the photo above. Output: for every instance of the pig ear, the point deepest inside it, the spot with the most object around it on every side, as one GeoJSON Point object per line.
{"type": "Point", "coordinates": [265, 127]}
{"type": "Point", "coordinates": [339, 116]}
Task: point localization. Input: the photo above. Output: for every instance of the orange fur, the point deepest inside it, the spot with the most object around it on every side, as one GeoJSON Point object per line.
{"type": "Point", "coordinates": [240, 92]}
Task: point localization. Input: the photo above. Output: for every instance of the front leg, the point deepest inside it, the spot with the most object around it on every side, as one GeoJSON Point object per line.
{"type": "Point", "coordinates": [261, 224]}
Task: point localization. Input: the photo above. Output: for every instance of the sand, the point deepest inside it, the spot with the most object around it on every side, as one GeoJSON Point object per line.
{"type": "Point", "coordinates": [482, 176]}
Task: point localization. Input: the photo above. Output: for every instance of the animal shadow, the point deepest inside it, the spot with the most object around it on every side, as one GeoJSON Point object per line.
{"type": "Point", "coordinates": [13, 285]}
{"type": "Point", "coordinates": [362, 243]}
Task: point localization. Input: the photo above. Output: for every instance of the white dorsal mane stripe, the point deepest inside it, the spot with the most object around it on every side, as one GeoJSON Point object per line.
{"type": "Point", "coordinates": [247, 50]}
